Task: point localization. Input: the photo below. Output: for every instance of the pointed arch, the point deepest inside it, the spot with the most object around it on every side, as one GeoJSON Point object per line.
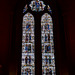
{"type": "Point", "coordinates": [28, 55]}
{"type": "Point", "coordinates": [48, 58]}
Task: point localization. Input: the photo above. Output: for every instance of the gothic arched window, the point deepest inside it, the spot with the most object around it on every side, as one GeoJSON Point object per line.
{"type": "Point", "coordinates": [28, 57]}
{"type": "Point", "coordinates": [48, 60]}
{"type": "Point", "coordinates": [30, 43]}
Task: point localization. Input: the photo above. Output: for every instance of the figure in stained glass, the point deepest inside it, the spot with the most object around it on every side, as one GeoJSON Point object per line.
{"type": "Point", "coordinates": [29, 59]}
{"type": "Point", "coordinates": [46, 59]}
{"type": "Point", "coordinates": [29, 48]}
{"type": "Point", "coordinates": [41, 6]}
{"type": "Point", "coordinates": [26, 60]}
{"type": "Point", "coordinates": [48, 48]}
{"type": "Point", "coordinates": [26, 38]}
{"type": "Point", "coordinates": [48, 37]}
{"type": "Point", "coordinates": [37, 5]}
{"type": "Point", "coordinates": [49, 59]}
{"type": "Point", "coordinates": [46, 27]}
{"type": "Point", "coordinates": [45, 37]}
{"type": "Point", "coordinates": [28, 27]}
{"type": "Point", "coordinates": [26, 48]}
{"type": "Point", "coordinates": [33, 4]}
{"type": "Point", "coordinates": [30, 37]}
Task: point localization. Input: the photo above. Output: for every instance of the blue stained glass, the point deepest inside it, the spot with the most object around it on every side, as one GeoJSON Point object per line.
{"type": "Point", "coordinates": [37, 5]}
{"type": "Point", "coordinates": [49, 9]}
{"type": "Point", "coordinates": [26, 48]}
{"type": "Point", "coordinates": [25, 9]}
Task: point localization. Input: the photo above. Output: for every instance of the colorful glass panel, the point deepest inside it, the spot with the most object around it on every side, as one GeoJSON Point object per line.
{"type": "Point", "coordinates": [28, 56]}
{"type": "Point", "coordinates": [49, 9]}
{"type": "Point", "coordinates": [25, 9]}
{"type": "Point", "coordinates": [48, 58]}
{"type": "Point", "coordinates": [37, 5]}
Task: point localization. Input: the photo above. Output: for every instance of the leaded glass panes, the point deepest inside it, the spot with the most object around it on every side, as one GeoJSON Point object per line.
{"type": "Point", "coordinates": [25, 8]}
{"type": "Point", "coordinates": [48, 58]}
{"type": "Point", "coordinates": [49, 9]}
{"type": "Point", "coordinates": [37, 5]}
{"type": "Point", "coordinates": [28, 57]}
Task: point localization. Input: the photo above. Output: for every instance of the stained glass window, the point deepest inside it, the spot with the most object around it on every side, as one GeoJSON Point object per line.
{"type": "Point", "coordinates": [28, 58]}
{"type": "Point", "coordinates": [49, 9]}
{"type": "Point", "coordinates": [37, 5]}
{"type": "Point", "coordinates": [48, 58]}
{"type": "Point", "coordinates": [25, 8]}
{"type": "Point", "coordinates": [28, 42]}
